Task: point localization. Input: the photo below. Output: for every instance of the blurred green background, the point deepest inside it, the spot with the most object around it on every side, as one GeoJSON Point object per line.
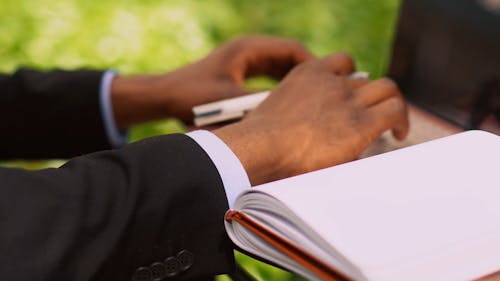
{"type": "Point", "coordinates": [138, 36]}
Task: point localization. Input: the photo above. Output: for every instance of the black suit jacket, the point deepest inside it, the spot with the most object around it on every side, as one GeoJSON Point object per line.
{"type": "Point", "coordinates": [154, 208]}
{"type": "Point", "coordinates": [50, 114]}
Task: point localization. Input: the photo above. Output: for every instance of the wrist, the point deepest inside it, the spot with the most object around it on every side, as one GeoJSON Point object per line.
{"type": "Point", "coordinates": [257, 150]}
{"type": "Point", "coordinates": [136, 99]}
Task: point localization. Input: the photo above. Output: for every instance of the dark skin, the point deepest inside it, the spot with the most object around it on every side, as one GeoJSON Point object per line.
{"type": "Point", "coordinates": [219, 75]}
{"type": "Point", "coordinates": [315, 118]}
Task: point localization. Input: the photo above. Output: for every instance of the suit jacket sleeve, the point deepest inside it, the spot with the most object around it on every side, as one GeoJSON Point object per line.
{"type": "Point", "coordinates": [50, 114]}
{"type": "Point", "coordinates": [105, 215]}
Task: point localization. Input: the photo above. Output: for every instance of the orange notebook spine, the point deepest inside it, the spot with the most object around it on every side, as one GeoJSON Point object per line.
{"type": "Point", "coordinates": [302, 257]}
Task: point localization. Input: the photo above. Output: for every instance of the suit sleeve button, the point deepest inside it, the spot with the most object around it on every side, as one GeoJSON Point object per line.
{"type": "Point", "coordinates": [172, 267]}
{"type": "Point", "coordinates": [186, 259]}
{"type": "Point", "coordinates": [158, 271]}
{"type": "Point", "coordinates": [142, 274]}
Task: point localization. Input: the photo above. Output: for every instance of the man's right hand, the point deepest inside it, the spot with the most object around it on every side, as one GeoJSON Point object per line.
{"type": "Point", "coordinates": [317, 117]}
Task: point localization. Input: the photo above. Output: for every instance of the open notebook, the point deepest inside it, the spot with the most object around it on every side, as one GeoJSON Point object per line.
{"type": "Point", "coordinates": [426, 212]}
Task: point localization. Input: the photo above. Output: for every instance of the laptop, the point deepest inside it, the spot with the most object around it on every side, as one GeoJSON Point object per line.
{"type": "Point", "coordinates": [446, 60]}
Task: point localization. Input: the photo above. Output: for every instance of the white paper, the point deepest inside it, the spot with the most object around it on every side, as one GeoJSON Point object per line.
{"type": "Point", "coordinates": [426, 212]}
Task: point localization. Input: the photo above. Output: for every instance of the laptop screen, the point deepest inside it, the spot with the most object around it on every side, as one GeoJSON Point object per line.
{"type": "Point", "coordinates": [446, 59]}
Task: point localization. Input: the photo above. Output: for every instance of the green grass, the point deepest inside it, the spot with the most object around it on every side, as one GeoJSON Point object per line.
{"type": "Point", "coordinates": [155, 36]}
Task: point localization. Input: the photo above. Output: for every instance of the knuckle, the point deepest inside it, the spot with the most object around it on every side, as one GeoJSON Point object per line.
{"type": "Point", "coordinates": [339, 63]}
{"type": "Point", "coordinates": [241, 41]}
{"type": "Point", "coordinates": [299, 70]}
{"type": "Point", "coordinates": [397, 105]}
{"type": "Point", "coordinates": [304, 67]}
{"type": "Point", "coordinates": [230, 46]}
{"type": "Point", "coordinates": [390, 85]}
{"type": "Point", "coordinates": [344, 57]}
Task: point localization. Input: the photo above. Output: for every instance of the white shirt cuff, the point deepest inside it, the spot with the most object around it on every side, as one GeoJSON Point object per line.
{"type": "Point", "coordinates": [233, 175]}
{"type": "Point", "coordinates": [115, 137]}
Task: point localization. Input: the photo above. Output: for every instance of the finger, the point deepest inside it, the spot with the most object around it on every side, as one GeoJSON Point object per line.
{"type": "Point", "coordinates": [271, 56]}
{"type": "Point", "coordinates": [338, 63]}
{"type": "Point", "coordinates": [375, 92]}
{"type": "Point", "coordinates": [357, 83]}
{"type": "Point", "coordinates": [390, 114]}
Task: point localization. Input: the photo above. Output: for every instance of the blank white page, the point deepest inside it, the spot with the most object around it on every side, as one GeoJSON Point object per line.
{"type": "Point", "coordinates": [426, 212]}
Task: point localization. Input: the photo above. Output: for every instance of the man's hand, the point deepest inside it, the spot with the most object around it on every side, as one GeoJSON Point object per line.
{"type": "Point", "coordinates": [315, 118]}
{"type": "Point", "coordinates": [219, 75]}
